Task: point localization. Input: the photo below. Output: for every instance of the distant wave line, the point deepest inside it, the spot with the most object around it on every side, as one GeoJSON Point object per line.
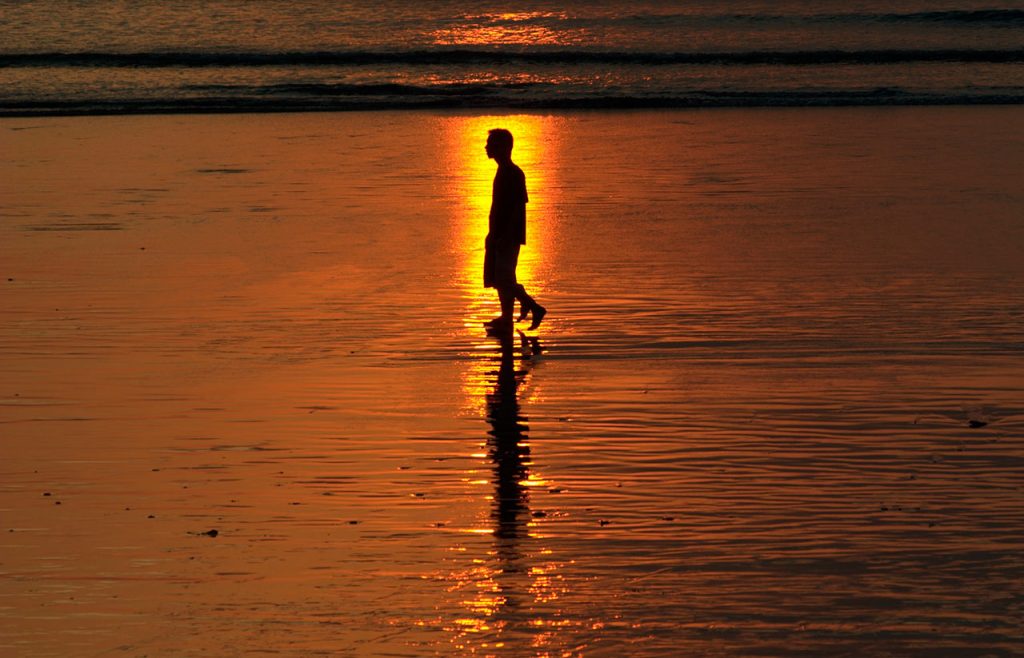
{"type": "Point", "coordinates": [996, 17]}
{"type": "Point", "coordinates": [367, 89]}
{"type": "Point", "coordinates": [444, 56]}
{"type": "Point", "coordinates": [320, 102]}
{"type": "Point", "coordinates": [554, 91]}
{"type": "Point", "coordinates": [989, 17]}
{"type": "Point", "coordinates": [956, 15]}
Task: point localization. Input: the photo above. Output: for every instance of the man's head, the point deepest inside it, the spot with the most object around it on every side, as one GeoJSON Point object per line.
{"type": "Point", "coordinates": [499, 144]}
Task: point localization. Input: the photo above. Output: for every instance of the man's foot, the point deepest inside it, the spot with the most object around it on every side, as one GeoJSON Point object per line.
{"type": "Point", "coordinates": [493, 321]}
{"type": "Point", "coordinates": [538, 315]}
{"type": "Point", "coordinates": [524, 310]}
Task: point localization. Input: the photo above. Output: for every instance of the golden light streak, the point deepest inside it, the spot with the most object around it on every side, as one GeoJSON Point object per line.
{"type": "Point", "coordinates": [507, 28]}
{"type": "Point", "coordinates": [516, 568]}
{"type": "Point", "coordinates": [535, 151]}
{"type": "Point", "coordinates": [471, 173]}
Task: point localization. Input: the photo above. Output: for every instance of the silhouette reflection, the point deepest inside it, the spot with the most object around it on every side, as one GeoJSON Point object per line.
{"type": "Point", "coordinates": [509, 447]}
{"type": "Point", "coordinates": [514, 583]}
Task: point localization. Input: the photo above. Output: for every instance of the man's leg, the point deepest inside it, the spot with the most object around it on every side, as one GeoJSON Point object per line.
{"type": "Point", "coordinates": [525, 302]}
{"type": "Point", "coordinates": [507, 299]}
{"type": "Point", "coordinates": [505, 257]}
{"type": "Point", "coordinates": [527, 305]}
{"type": "Point", "coordinates": [509, 290]}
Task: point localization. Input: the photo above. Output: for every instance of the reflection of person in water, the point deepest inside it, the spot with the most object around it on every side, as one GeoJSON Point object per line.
{"type": "Point", "coordinates": [510, 455]}
{"type": "Point", "coordinates": [506, 234]}
{"type": "Point", "coordinates": [509, 448]}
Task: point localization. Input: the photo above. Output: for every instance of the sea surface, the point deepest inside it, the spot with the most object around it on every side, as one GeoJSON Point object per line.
{"type": "Point", "coordinates": [776, 408]}
{"type": "Point", "coordinates": [110, 56]}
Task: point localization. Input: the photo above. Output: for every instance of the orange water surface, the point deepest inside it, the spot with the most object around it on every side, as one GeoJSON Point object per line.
{"type": "Point", "coordinates": [776, 407]}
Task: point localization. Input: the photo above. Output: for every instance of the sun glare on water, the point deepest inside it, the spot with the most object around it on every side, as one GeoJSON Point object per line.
{"type": "Point", "coordinates": [504, 577]}
{"type": "Point", "coordinates": [472, 173]}
{"type": "Point", "coordinates": [509, 28]}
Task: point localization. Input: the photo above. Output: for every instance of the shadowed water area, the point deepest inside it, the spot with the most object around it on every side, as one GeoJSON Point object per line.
{"type": "Point", "coordinates": [776, 407]}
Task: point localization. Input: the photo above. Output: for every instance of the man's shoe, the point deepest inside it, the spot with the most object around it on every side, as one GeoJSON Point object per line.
{"type": "Point", "coordinates": [538, 315]}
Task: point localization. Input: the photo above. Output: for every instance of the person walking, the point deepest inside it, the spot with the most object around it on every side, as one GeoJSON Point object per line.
{"type": "Point", "coordinates": [506, 235]}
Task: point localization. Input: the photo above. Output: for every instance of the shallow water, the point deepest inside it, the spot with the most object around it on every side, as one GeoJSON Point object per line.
{"type": "Point", "coordinates": [744, 429]}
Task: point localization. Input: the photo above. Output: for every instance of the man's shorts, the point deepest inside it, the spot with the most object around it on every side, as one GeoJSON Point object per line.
{"type": "Point", "coordinates": [500, 262]}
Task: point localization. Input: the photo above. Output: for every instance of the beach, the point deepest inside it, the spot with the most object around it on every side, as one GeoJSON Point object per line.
{"type": "Point", "coordinates": [248, 407]}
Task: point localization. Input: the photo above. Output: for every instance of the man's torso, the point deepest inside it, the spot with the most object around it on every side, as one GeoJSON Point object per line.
{"type": "Point", "coordinates": [508, 205]}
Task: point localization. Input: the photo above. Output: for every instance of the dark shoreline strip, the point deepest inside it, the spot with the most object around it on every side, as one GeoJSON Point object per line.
{"type": "Point", "coordinates": [738, 100]}
{"type": "Point", "coordinates": [436, 57]}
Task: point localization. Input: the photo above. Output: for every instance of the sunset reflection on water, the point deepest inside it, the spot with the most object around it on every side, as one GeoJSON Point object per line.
{"type": "Point", "coordinates": [536, 151]}
{"type": "Point", "coordinates": [508, 28]}
{"type": "Point", "coordinates": [509, 587]}
{"type": "Point", "coordinates": [775, 408]}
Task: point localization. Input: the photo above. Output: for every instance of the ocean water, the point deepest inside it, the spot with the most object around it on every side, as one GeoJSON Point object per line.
{"type": "Point", "coordinates": [776, 408]}
{"type": "Point", "coordinates": [107, 56]}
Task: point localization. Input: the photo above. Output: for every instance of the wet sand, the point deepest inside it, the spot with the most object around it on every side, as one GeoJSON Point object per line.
{"type": "Point", "coordinates": [776, 408]}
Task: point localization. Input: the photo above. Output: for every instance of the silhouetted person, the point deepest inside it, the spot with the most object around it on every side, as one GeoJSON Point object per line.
{"type": "Point", "coordinates": [506, 234]}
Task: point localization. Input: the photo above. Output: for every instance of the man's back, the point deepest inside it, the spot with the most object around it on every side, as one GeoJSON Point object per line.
{"type": "Point", "coordinates": [508, 204]}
